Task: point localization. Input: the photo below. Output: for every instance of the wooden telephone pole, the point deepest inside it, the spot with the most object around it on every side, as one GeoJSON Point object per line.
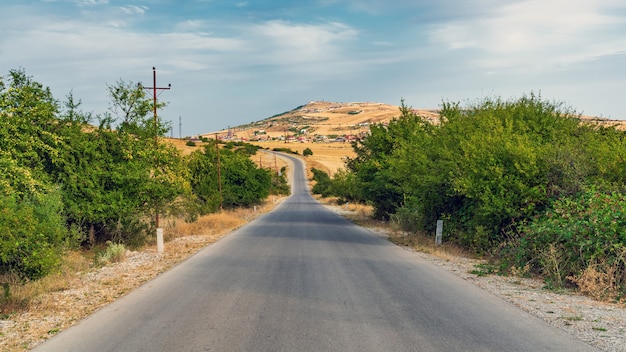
{"type": "Point", "coordinates": [219, 173]}
{"type": "Point", "coordinates": [154, 89]}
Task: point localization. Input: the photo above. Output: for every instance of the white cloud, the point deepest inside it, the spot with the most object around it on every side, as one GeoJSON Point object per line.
{"type": "Point", "coordinates": [538, 32]}
{"type": "Point", "coordinates": [134, 10]}
{"type": "Point", "coordinates": [91, 2]}
{"type": "Point", "coordinates": [301, 42]}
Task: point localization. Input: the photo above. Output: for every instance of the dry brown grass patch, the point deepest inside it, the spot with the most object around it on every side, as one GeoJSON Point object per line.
{"type": "Point", "coordinates": [18, 296]}
{"type": "Point", "coordinates": [426, 243]}
{"type": "Point", "coordinates": [212, 224]}
{"type": "Point", "coordinates": [329, 157]}
{"type": "Point", "coordinates": [601, 282]}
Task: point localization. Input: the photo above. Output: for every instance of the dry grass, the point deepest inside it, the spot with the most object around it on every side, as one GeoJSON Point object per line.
{"type": "Point", "coordinates": [213, 224]}
{"type": "Point", "coordinates": [603, 281]}
{"type": "Point", "coordinates": [269, 160]}
{"type": "Point", "coordinates": [328, 157]}
{"type": "Point", "coordinates": [181, 144]}
{"type": "Point", "coordinates": [19, 296]}
{"type": "Point", "coordinates": [422, 242]}
{"type": "Point", "coordinates": [325, 118]}
{"type": "Point", "coordinates": [598, 284]}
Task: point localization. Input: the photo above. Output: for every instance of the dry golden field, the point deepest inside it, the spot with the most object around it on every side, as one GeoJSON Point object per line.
{"type": "Point", "coordinates": [328, 157]}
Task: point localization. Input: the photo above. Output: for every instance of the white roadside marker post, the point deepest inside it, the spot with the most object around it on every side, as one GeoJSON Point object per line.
{"type": "Point", "coordinates": [439, 233]}
{"type": "Point", "coordinates": [160, 240]}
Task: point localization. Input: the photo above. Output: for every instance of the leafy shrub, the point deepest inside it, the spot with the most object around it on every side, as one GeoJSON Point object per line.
{"type": "Point", "coordinates": [279, 183]}
{"type": "Point", "coordinates": [285, 150]}
{"type": "Point", "coordinates": [485, 167]}
{"type": "Point", "coordinates": [346, 187]}
{"type": "Point", "coordinates": [307, 152]}
{"type": "Point", "coordinates": [323, 184]}
{"type": "Point", "coordinates": [113, 253]}
{"type": "Point", "coordinates": [33, 235]}
{"type": "Point", "coordinates": [242, 182]}
{"type": "Point", "coordinates": [577, 233]}
{"type": "Point", "coordinates": [190, 143]}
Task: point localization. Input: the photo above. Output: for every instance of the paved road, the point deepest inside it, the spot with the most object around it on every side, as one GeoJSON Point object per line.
{"type": "Point", "coordinates": [304, 279]}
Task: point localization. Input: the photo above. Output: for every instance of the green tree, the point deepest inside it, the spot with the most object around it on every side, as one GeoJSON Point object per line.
{"type": "Point", "coordinates": [323, 184]}
{"type": "Point", "coordinates": [345, 185]}
{"type": "Point", "coordinates": [33, 230]}
{"type": "Point", "coordinates": [372, 164]}
{"type": "Point", "coordinates": [242, 182]}
{"type": "Point", "coordinates": [28, 140]}
{"type": "Point", "coordinates": [114, 179]}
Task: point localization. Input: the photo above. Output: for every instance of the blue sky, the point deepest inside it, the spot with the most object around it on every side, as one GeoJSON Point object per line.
{"type": "Point", "coordinates": [233, 62]}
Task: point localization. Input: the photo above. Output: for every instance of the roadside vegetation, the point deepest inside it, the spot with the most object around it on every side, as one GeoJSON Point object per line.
{"type": "Point", "coordinates": [525, 183]}
{"type": "Point", "coordinates": [95, 183]}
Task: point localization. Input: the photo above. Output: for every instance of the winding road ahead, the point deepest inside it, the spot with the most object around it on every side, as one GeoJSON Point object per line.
{"type": "Point", "coordinates": [304, 279]}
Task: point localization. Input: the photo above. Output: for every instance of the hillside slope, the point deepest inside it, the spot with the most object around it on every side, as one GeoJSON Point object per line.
{"type": "Point", "coordinates": [317, 119]}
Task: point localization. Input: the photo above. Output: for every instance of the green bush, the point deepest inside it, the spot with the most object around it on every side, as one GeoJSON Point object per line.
{"type": "Point", "coordinates": [285, 150]}
{"type": "Point", "coordinates": [346, 187]}
{"type": "Point", "coordinates": [485, 168]}
{"type": "Point", "coordinates": [33, 235]}
{"type": "Point", "coordinates": [307, 152]}
{"type": "Point", "coordinates": [113, 253]}
{"type": "Point", "coordinates": [279, 183]}
{"type": "Point", "coordinates": [242, 182]}
{"type": "Point", "coordinates": [323, 184]}
{"type": "Point", "coordinates": [575, 233]}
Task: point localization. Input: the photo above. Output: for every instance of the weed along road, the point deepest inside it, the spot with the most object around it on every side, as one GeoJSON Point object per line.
{"type": "Point", "coordinates": [304, 279]}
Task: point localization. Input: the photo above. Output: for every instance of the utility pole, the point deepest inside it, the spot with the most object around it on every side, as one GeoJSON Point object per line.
{"type": "Point", "coordinates": [219, 172]}
{"type": "Point", "coordinates": [154, 89]}
{"type": "Point", "coordinates": [180, 127]}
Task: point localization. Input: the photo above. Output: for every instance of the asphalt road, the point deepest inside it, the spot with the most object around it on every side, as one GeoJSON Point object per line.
{"type": "Point", "coordinates": [304, 279]}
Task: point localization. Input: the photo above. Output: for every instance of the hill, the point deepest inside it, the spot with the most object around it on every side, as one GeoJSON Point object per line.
{"type": "Point", "coordinates": [318, 120]}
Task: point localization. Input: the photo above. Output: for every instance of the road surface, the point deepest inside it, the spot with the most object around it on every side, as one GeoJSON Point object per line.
{"type": "Point", "coordinates": [302, 278]}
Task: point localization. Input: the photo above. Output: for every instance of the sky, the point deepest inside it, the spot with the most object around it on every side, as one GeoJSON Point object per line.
{"type": "Point", "coordinates": [234, 62]}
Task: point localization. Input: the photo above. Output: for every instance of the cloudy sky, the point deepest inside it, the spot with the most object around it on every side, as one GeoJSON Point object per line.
{"type": "Point", "coordinates": [233, 62]}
